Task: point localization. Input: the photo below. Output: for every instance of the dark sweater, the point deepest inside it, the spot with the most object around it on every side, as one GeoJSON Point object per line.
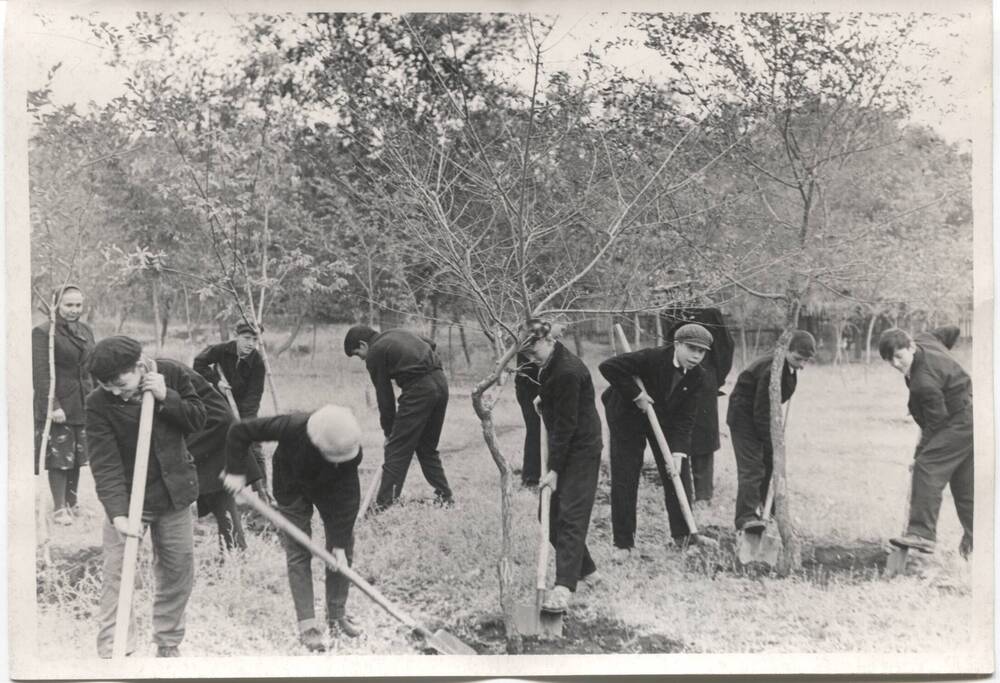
{"type": "Point", "coordinates": [245, 376]}
{"type": "Point", "coordinates": [568, 409]}
{"type": "Point", "coordinates": [400, 356]}
{"type": "Point", "coordinates": [750, 402]}
{"type": "Point", "coordinates": [113, 433]}
{"type": "Point", "coordinates": [675, 395]}
{"type": "Point", "coordinates": [300, 469]}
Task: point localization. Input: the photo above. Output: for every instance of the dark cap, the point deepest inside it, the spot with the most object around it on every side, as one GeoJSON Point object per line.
{"type": "Point", "coordinates": [246, 328]}
{"type": "Point", "coordinates": [113, 356]}
{"type": "Point", "coordinates": [802, 343]}
{"type": "Point", "coordinates": [693, 334]}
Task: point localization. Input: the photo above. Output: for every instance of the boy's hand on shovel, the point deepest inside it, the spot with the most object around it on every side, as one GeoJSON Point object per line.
{"type": "Point", "coordinates": [551, 479]}
{"type": "Point", "coordinates": [234, 482]}
{"type": "Point", "coordinates": [121, 526]}
{"type": "Point", "coordinates": [155, 383]}
{"type": "Point", "coordinates": [643, 401]}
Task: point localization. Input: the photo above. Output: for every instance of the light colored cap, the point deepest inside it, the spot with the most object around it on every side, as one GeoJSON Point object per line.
{"type": "Point", "coordinates": [335, 432]}
{"type": "Point", "coordinates": [693, 334]}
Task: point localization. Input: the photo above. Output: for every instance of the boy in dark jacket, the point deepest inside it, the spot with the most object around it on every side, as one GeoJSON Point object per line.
{"type": "Point", "coordinates": [749, 420]}
{"type": "Point", "coordinates": [410, 361]}
{"type": "Point", "coordinates": [941, 405]}
{"type": "Point", "coordinates": [315, 465]}
{"type": "Point", "coordinates": [567, 406]}
{"type": "Point", "coordinates": [243, 373]}
{"type": "Point", "coordinates": [673, 381]}
{"type": "Point", "coordinates": [112, 413]}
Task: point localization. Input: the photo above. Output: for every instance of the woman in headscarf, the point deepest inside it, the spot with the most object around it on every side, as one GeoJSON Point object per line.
{"type": "Point", "coordinates": [66, 452]}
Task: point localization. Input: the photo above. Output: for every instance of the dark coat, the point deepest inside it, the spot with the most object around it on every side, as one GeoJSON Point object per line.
{"type": "Point", "coordinates": [73, 382]}
{"type": "Point", "coordinates": [300, 469]}
{"type": "Point", "coordinates": [717, 363]}
{"type": "Point", "coordinates": [400, 356]}
{"type": "Point", "coordinates": [526, 380]}
{"type": "Point", "coordinates": [208, 445]}
{"type": "Point", "coordinates": [940, 390]}
{"type": "Point", "coordinates": [113, 433]}
{"type": "Point", "coordinates": [750, 402]}
{"type": "Point", "coordinates": [568, 409]}
{"type": "Point", "coordinates": [675, 408]}
{"type": "Point", "coordinates": [246, 376]}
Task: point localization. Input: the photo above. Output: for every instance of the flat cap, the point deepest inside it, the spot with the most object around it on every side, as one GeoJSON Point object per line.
{"type": "Point", "coordinates": [335, 432]}
{"type": "Point", "coordinates": [693, 334]}
{"type": "Point", "coordinates": [246, 328]}
{"type": "Point", "coordinates": [112, 356]}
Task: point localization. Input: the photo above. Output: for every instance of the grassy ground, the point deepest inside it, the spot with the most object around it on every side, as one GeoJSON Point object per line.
{"type": "Point", "coordinates": [849, 443]}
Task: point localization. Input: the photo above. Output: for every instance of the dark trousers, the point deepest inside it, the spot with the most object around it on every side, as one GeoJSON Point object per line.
{"type": "Point", "coordinates": [754, 464]}
{"type": "Point", "coordinates": [63, 485]}
{"type": "Point", "coordinates": [569, 517]}
{"type": "Point", "coordinates": [703, 472]}
{"type": "Point", "coordinates": [420, 415]}
{"type": "Point", "coordinates": [944, 459]}
{"type": "Point", "coordinates": [531, 468]}
{"type": "Point", "coordinates": [222, 504]}
{"type": "Point", "coordinates": [299, 561]}
{"type": "Point", "coordinates": [628, 440]}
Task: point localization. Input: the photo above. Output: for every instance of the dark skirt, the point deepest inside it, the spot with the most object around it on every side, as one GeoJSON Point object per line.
{"type": "Point", "coordinates": [67, 447]}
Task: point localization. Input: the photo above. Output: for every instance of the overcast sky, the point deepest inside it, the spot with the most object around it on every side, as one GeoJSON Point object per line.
{"type": "Point", "coordinates": [84, 77]}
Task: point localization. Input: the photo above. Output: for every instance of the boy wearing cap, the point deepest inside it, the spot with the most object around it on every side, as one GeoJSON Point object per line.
{"type": "Point", "coordinates": [415, 425]}
{"type": "Point", "coordinates": [242, 372]}
{"type": "Point", "coordinates": [673, 379]}
{"type": "Point", "coordinates": [940, 402]}
{"type": "Point", "coordinates": [112, 420]}
{"type": "Point", "coordinates": [749, 420]}
{"type": "Point", "coordinates": [315, 466]}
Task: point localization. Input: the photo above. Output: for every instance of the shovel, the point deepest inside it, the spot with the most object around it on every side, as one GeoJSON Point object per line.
{"type": "Point", "coordinates": [441, 640]}
{"type": "Point", "coordinates": [763, 547]}
{"type": "Point", "coordinates": [529, 619]}
{"type": "Point", "coordinates": [895, 564]}
{"type": "Point", "coordinates": [661, 441]}
{"type": "Point", "coordinates": [260, 486]}
{"type": "Point", "coordinates": [134, 536]}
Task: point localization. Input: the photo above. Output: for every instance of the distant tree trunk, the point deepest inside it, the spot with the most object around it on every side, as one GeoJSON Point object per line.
{"type": "Point", "coordinates": [312, 348]}
{"type": "Point", "coordinates": [838, 338]}
{"type": "Point", "coordinates": [756, 341]}
{"type": "Point", "coordinates": [638, 330]}
{"type": "Point", "coordinates": [157, 321]}
{"type": "Point", "coordinates": [434, 318]}
{"type": "Point", "coordinates": [451, 353]}
{"type": "Point", "coordinates": [187, 313]}
{"type": "Point", "coordinates": [123, 312]}
{"type": "Point", "coordinates": [868, 338]}
{"type": "Point", "coordinates": [791, 558]}
{"type": "Point", "coordinates": [465, 342]}
{"type": "Point", "coordinates": [270, 376]}
{"type": "Point", "coordinates": [743, 344]}
{"type": "Point", "coordinates": [290, 339]}
{"type": "Point", "coordinates": [223, 329]}
{"type": "Point", "coordinates": [614, 346]}
{"type": "Point", "coordinates": [167, 309]}
{"type": "Point", "coordinates": [659, 330]}
{"type": "Point", "coordinates": [577, 341]}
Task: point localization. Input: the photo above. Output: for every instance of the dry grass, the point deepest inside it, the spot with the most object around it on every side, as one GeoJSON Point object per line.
{"type": "Point", "coordinates": [850, 442]}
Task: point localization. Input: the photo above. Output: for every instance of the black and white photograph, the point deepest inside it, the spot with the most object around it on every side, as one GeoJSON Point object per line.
{"type": "Point", "coordinates": [424, 340]}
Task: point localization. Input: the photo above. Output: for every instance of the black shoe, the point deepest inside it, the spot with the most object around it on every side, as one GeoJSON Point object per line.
{"type": "Point", "coordinates": [346, 626]}
{"type": "Point", "coordinates": [168, 651]}
{"type": "Point", "coordinates": [529, 483]}
{"type": "Point", "coordinates": [753, 526]}
{"type": "Point", "coordinates": [446, 502]}
{"type": "Point", "coordinates": [915, 542]}
{"type": "Point", "coordinates": [965, 547]}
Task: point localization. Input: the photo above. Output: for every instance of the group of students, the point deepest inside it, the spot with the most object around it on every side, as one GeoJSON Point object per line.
{"type": "Point", "coordinates": [201, 452]}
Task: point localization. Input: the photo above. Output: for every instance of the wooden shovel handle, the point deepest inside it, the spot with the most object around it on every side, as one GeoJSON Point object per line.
{"type": "Point", "coordinates": [545, 503]}
{"type": "Point", "coordinates": [661, 441]}
{"type": "Point", "coordinates": [229, 393]}
{"type": "Point", "coordinates": [135, 503]}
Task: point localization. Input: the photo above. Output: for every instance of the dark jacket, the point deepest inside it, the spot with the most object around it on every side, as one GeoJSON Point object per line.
{"type": "Point", "coordinates": [750, 402]}
{"type": "Point", "coordinates": [568, 409]}
{"type": "Point", "coordinates": [73, 382]}
{"type": "Point", "coordinates": [299, 468]}
{"type": "Point", "coordinates": [717, 363]}
{"type": "Point", "coordinates": [400, 356]}
{"type": "Point", "coordinates": [526, 380]}
{"type": "Point", "coordinates": [675, 408]}
{"type": "Point", "coordinates": [113, 433]}
{"type": "Point", "coordinates": [245, 376]}
{"type": "Point", "coordinates": [940, 390]}
{"type": "Point", "coordinates": [208, 445]}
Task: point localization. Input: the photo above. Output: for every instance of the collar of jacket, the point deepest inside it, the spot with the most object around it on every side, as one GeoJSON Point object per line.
{"type": "Point", "coordinates": [558, 350]}
{"type": "Point", "coordinates": [918, 362]}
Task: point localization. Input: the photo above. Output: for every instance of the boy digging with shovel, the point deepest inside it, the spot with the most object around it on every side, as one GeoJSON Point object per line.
{"type": "Point", "coordinates": [315, 466]}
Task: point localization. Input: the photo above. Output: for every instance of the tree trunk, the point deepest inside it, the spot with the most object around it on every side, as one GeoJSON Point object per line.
{"type": "Point", "coordinates": [451, 353]}
{"type": "Point", "coordinates": [577, 341]}
{"type": "Point", "coordinates": [791, 557]}
{"type": "Point", "coordinates": [659, 329]}
{"type": "Point", "coordinates": [868, 338]}
{"type": "Point", "coordinates": [744, 351]}
{"type": "Point", "coordinates": [187, 314]}
{"type": "Point", "coordinates": [312, 348]}
{"type": "Point", "coordinates": [756, 341]}
{"type": "Point", "coordinates": [838, 340]}
{"type": "Point", "coordinates": [223, 329]}
{"type": "Point", "coordinates": [434, 320]}
{"type": "Point", "coordinates": [638, 330]}
{"type": "Point", "coordinates": [290, 339]}
{"type": "Point", "coordinates": [464, 342]}
{"type": "Point", "coordinates": [269, 375]}
{"type": "Point", "coordinates": [506, 569]}
{"type": "Point", "coordinates": [123, 313]}
{"type": "Point", "coordinates": [614, 345]}
{"type": "Point", "coordinates": [157, 322]}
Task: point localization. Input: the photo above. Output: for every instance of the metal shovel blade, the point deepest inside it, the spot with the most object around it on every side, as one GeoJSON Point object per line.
{"type": "Point", "coordinates": [763, 547]}
{"type": "Point", "coordinates": [896, 562]}
{"type": "Point", "coordinates": [447, 644]}
{"type": "Point", "coordinates": [531, 621]}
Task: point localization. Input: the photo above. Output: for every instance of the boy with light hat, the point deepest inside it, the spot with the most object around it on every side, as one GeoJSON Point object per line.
{"type": "Point", "coordinates": [314, 465]}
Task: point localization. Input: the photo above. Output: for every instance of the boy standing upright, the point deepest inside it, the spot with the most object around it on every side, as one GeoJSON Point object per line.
{"type": "Point", "coordinates": [315, 465]}
{"type": "Point", "coordinates": [749, 420]}
{"type": "Point", "coordinates": [673, 381]}
{"type": "Point", "coordinates": [415, 425]}
{"type": "Point", "coordinates": [941, 404]}
{"type": "Point", "coordinates": [112, 414]}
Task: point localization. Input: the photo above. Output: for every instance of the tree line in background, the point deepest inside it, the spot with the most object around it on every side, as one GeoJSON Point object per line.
{"type": "Point", "coordinates": [359, 167]}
